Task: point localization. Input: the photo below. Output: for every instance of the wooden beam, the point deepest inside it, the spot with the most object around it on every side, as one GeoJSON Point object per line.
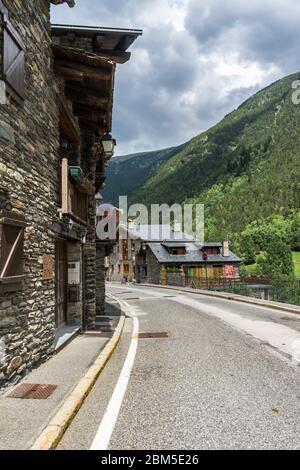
{"type": "Point", "coordinates": [92, 116]}
{"type": "Point", "coordinates": [95, 124]}
{"type": "Point", "coordinates": [68, 126]}
{"type": "Point", "coordinates": [65, 186]}
{"type": "Point", "coordinates": [90, 109]}
{"type": "Point", "coordinates": [71, 3]}
{"type": "Point", "coordinates": [87, 99]}
{"type": "Point", "coordinates": [119, 57]}
{"type": "Point", "coordinates": [87, 70]}
{"type": "Point", "coordinates": [69, 74]}
{"type": "Point", "coordinates": [91, 59]}
{"type": "Point", "coordinates": [86, 90]}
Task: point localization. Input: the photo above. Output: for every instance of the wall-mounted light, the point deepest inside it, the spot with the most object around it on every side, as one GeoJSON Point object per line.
{"type": "Point", "coordinates": [108, 144]}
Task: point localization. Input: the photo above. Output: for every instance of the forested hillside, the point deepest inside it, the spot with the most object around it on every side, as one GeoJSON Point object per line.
{"type": "Point", "coordinates": [125, 173]}
{"type": "Point", "coordinates": [243, 169]}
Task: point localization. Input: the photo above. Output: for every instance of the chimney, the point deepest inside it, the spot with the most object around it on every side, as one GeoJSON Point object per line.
{"type": "Point", "coordinates": [225, 249]}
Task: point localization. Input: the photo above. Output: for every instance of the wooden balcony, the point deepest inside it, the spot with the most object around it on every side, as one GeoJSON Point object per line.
{"type": "Point", "coordinates": [74, 197]}
{"type": "Point", "coordinates": [78, 203]}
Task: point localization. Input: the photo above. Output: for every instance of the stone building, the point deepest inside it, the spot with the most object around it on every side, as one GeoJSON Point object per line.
{"type": "Point", "coordinates": [162, 254]}
{"type": "Point", "coordinates": [56, 95]}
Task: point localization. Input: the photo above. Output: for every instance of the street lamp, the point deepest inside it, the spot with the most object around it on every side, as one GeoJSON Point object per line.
{"type": "Point", "coordinates": [108, 144]}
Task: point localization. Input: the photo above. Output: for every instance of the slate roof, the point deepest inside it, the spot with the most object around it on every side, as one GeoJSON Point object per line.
{"type": "Point", "coordinates": [193, 255]}
{"type": "Point", "coordinates": [158, 233]}
{"type": "Point", "coordinates": [160, 238]}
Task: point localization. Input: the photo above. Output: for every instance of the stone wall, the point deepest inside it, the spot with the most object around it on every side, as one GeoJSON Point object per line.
{"type": "Point", "coordinates": [88, 164]}
{"type": "Point", "coordinates": [175, 279]}
{"type": "Point", "coordinates": [153, 269]}
{"type": "Point", "coordinates": [75, 305]}
{"type": "Point", "coordinates": [100, 280]}
{"type": "Point", "coordinates": [29, 140]}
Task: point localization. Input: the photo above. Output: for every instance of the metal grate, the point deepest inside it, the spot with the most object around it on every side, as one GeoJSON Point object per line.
{"type": "Point", "coordinates": [152, 335]}
{"type": "Point", "coordinates": [33, 391]}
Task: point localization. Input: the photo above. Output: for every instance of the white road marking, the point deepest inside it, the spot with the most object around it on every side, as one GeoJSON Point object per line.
{"type": "Point", "coordinates": [106, 428]}
{"type": "Point", "coordinates": [281, 337]}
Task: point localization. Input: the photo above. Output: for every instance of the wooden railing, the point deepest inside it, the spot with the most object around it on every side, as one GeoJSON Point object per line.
{"type": "Point", "coordinates": [73, 201]}
{"type": "Point", "coordinates": [79, 203]}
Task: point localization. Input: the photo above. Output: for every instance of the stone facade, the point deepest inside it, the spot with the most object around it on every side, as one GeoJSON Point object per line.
{"type": "Point", "coordinates": [100, 279]}
{"type": "Point", "coordinates": [148, 270]}
{"type": "Point", "coordinates": [29, 139]}
{"type": "Point", "coordinates": [46, 133]}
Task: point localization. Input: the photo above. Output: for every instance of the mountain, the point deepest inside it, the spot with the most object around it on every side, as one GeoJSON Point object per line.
{"type": "Point", "coordinates": [245, 168]}
{"type": "Point", "coordinates": [127, 172]}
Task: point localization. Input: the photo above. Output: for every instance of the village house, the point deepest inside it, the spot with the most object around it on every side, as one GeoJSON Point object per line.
{"type": "Point", "coordinates": [162, 254]}
{"type": "Point", "coordinates": [56, 95]}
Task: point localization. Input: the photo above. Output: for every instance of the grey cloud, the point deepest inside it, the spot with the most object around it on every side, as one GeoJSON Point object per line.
{"type": "Point", "coordinates": [265, 31]}
{"type": "Point", "coordinates": [173, 87]}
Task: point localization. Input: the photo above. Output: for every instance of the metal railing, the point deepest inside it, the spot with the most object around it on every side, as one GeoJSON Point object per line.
{"type": "Point", "coordinates": [278, 290]}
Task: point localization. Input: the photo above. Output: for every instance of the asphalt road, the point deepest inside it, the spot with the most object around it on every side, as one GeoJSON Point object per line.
{"type": "Point", "coordinates": [224, 378]}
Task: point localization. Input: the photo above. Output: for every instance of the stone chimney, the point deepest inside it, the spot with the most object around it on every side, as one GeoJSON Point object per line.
{"type": "Point", "coordinates": [225, 249]}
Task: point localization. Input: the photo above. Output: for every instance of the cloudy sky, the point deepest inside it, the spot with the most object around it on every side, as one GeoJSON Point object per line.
{"type": "Point", "coordinates": [197, 61]}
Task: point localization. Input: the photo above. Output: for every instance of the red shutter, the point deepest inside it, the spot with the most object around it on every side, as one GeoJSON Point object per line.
{"type": "Point", "coordinates": [13, 62]}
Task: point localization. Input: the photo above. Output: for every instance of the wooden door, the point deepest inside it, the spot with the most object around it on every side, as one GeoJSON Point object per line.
{"type": "Point", "coordinates": [61, 275]}
{"type": "Point", "coordinates": [126, 269]}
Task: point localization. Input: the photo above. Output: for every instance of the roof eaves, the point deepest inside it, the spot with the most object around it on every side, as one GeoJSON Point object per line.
{"type": "Point", "coordinates": [71, 3]}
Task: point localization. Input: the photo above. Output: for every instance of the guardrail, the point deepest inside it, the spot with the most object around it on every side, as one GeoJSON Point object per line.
{"type": "Point", "coordinates": [278, 290]}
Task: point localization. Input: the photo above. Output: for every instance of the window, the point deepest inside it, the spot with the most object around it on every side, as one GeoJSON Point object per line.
{"type": "Point", "coordinates": [13, 64]}
{"type": "Point", "coordinates": [12, 228]}
{"type": "Point", "coordinates": [212, 251]}
{"type": "Point", "coordinates": [178, 251]}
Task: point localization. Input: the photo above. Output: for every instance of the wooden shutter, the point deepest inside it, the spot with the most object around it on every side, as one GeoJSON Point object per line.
{"type": "Point", "coordinates": [12, 228]}
{"type": "Point", "coordinates": [13, 62]}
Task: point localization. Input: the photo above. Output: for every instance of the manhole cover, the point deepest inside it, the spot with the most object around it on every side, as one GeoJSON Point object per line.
{"type": "Point", "coordinates": [152, 335]}
{"type": "Point", "coordinates": [33, 391]}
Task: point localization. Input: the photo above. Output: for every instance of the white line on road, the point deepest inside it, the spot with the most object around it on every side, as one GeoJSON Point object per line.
{"type": "Point", "coordinates": [106, 428]}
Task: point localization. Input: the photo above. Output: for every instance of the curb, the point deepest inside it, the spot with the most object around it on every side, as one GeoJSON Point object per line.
{"type": "Point", "coordinates": [53, 433]}
{"type": "Point", "coordinates": [246, 300]}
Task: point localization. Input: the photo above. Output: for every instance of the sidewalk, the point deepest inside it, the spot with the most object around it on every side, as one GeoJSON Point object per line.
{"type": "Point", "coordinates": [23, 420]}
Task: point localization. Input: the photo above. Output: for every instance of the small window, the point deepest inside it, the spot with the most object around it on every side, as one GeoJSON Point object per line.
{"type": "Point", "coordinates": [178, 251]}
{"type": "Point", "coordinates": [12, 227]}
{"type": "Point", "coordinates": [13, 64]}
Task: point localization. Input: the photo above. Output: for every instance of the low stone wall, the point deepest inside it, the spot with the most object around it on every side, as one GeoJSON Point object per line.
{"type": "Point", "coordinates": [175, 279]}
